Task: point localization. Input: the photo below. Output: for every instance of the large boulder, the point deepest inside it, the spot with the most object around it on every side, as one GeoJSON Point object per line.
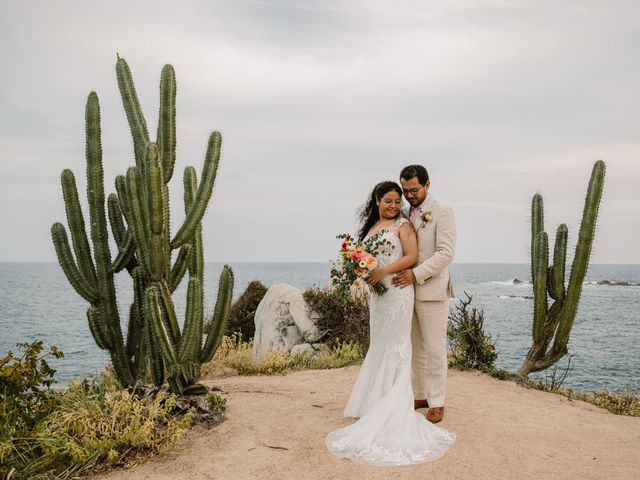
{"type": "Point", "coordinates": [283, 321]}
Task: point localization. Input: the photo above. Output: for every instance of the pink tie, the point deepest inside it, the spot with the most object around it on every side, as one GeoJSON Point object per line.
{"type": "Point", "coordinates": [413, 216]}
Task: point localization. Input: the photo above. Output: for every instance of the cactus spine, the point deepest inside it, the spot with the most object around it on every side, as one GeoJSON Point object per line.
{"type": "Point", "coordinates": [552, 325]}
{"type": "Point", "coordinates": [140, 224]}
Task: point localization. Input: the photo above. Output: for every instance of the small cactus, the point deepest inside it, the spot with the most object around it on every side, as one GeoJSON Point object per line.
{"type": "Point", "coordinates": [552, 324]}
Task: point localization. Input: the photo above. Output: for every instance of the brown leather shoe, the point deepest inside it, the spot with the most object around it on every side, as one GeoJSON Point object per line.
{"type": "Point", "coordinates": [420, 404]}
{"type": "Point", "coordinates": [435, 414]}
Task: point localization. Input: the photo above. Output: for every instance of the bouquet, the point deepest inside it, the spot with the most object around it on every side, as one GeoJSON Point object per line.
{"type": "Point", "coordinates": [357, 260]}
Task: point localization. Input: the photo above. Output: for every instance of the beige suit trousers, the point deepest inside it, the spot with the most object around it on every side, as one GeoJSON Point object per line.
{"type": "Point", "coordinates": [429, 350]}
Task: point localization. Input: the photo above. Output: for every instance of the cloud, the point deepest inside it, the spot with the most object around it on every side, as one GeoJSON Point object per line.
{"type": "Point", "coordinates": [318, 101]}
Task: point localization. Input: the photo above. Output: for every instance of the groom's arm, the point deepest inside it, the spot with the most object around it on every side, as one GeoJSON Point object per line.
{"type": "Point", "coordinates": [445, 248]}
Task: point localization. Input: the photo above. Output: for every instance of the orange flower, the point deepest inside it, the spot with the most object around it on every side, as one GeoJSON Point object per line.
{"type": "Point", "coordinates": [371, 262]}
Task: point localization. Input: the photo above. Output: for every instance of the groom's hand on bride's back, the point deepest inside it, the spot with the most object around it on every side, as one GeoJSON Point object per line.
{"type": "Point", "coordinates": [404, 278]}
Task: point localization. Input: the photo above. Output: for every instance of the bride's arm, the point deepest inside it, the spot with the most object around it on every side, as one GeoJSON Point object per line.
{"type": "Point", "coordinates": [409, 258]}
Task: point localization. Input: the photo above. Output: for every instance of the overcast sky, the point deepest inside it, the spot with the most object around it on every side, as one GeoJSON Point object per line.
{"type": "Point", "coordinates": [317, 101]}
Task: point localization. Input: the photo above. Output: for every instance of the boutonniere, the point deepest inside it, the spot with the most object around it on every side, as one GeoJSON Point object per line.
{"type": "Point", "coordinates": [426, 218]}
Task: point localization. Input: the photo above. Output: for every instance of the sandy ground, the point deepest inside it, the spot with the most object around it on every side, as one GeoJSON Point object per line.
{"type": "Point", "coordinates": [276, 427]}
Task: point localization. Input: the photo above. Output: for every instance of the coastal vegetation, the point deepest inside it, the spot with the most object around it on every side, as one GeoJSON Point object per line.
{"type": "Point", "coordinates": [552, 324]}
{"type": "Point", "coordinates": [139, 216]}
{"type": "Point", "coordinates": [234, 357]}
{"type": "Point", "coordinates": [469, 346]}
{"type": "Point", "coordinates": [343, 317]}
{"type": "Point", "coordinates": [243, 311]}
{"type": "Point", "coordinates": [47, 433]}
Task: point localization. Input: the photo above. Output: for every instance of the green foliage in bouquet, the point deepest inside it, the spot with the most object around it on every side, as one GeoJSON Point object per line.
{"type": "Point", "coordinates": [139, 215]}
{"type": "Point", "coordinates": [552, 324]}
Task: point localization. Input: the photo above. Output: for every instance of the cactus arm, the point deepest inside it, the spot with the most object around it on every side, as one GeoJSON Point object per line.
{"type": "Point", "coordinates": [132, 331]}
{"type": "Point", "coordinates": [556, 290]}
{"type": "Point", "coordinates": [153, 176]}
{"type": "Point", "coordinates": [155, 194]}
{"type": "Point", "coordinates": [118, 228]}
{"type": "Point", "coordinates": [99, 236]}
{"type": "Point", "coordinates": [123, 198]}
{"type": "Point", "coordinates": [77, 228]}
{"type": "Point", "coordinates": [166, 136]}
{"type": "Point", "coordinates": [203, 194]}
{"type": "Point", "coordinates": [161, 334]}
{"type": "Point", "coordinates": [218, 321]}
{"type": "Point", "coordinates": [583, 252]}
{"type": "Point", "coordinates": [179, 267]}
{"type": "Point", "coordinates": [139, 223]}
{"type": "Point", "coordinates": [126, 256]}
{"type": "Point", "coordinates": [537, 222]}
{"type": "Point", "coordinates": [96, 327]}
{"type": "Point", "coordinates": [66, 261]}
{"type": "Point", "coordinates": [191, 343]}
{"type": "Point", "coordinates": [148, 349]}
{"type": "Point", "coordinates": [196, 264]}
{"type": "Point", "coordinates": [137, 123]}
{"type": "Point", "coordinates": [156, 361]}
{"type": "Point", "coordinates": [172, 320]}
{"type": "Point", "coordinates": [541, 255]}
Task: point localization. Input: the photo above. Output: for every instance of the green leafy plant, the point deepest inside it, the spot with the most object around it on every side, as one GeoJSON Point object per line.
{"type": "Point", "coordinates": [344, 318]}
{"type": "Point", "coordinates": [470, 346]}
{"type": "Point", "coordinates": [89, 425]}
{"type": "Point", "coordinates": [25, 382]}
{"type": "Point", "coordinates": [243, 311]}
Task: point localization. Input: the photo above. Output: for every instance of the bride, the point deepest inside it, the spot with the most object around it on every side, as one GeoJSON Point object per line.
{"type": "Point", "coordinates": [389, 431]}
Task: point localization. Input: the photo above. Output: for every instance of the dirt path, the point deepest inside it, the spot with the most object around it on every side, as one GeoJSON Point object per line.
{"type": "Point", "coordinates": [276, 428]}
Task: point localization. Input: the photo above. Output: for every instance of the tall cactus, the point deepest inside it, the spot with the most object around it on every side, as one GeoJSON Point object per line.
{"type": "Point", "coordinates": [146, 193]}
{"type": "Point", "coordinates": [139, 215]}
{"type": "Point", "coordinates": [552, 325]}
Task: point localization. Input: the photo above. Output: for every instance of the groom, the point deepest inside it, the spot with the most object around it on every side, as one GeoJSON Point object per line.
{"type": "Point", "coordinates": [436, 230]}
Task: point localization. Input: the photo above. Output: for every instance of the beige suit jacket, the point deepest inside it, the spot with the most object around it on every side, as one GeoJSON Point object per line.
{"type": "Point", "coordinates": [436, 247]}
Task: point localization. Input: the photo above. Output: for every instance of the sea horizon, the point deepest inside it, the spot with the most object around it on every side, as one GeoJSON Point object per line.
{"type": "Point", "coordinates": [37, 302]}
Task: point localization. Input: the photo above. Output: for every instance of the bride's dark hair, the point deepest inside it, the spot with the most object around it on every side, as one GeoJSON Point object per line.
{"type": "Point", "coordinates": [369, 213]}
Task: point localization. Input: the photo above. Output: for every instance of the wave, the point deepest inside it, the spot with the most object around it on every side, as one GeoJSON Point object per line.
{"type": "Point", "coordinates": [613, 283]}
{"type": "Point", "coordinates": [606, 283]}
{"type": "Point", "coordinates": [515, 281]}
{"type": "Point", "coordinates": [516, 297]}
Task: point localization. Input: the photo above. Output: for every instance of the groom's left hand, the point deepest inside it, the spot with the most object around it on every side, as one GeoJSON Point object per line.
{"type": "Point", "coordinates": [404, 278]}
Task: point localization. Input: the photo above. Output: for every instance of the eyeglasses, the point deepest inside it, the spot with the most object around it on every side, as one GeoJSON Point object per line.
{"type": "Point", "coordinates": [411, 191]}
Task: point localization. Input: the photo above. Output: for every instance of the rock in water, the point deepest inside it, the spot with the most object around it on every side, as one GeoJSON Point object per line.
{"type": "Point", "coordinates": [283, 321]}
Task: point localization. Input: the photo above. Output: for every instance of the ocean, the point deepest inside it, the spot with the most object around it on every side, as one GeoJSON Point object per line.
{"type": "Point", "coordinates": [37, 302]}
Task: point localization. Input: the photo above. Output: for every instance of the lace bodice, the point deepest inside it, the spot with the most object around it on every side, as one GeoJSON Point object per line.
{"type": "Point", "coordinates": [389, 255]}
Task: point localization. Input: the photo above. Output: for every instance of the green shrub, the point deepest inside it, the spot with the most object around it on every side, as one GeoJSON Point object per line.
{"type": "Point", "coordinates": [94, 425]}
{"type": "Point", "coordinates": [25, 396]}
{"type": "Point", "coordinates": [470, 347]}
{"type": "Point", "coordinates": [243, 311]}
{"type": "Point", "coordinates": [344, 318]}
{"type": "Point", "coordinates": [48, 434]}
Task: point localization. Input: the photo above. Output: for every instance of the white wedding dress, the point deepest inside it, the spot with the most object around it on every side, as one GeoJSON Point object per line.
{"type": "Point", "coordinates": [389, 431]}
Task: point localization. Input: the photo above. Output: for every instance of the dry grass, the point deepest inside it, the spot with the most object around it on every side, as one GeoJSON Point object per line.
{"type": "Point", "coordinates": [234, 357]}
